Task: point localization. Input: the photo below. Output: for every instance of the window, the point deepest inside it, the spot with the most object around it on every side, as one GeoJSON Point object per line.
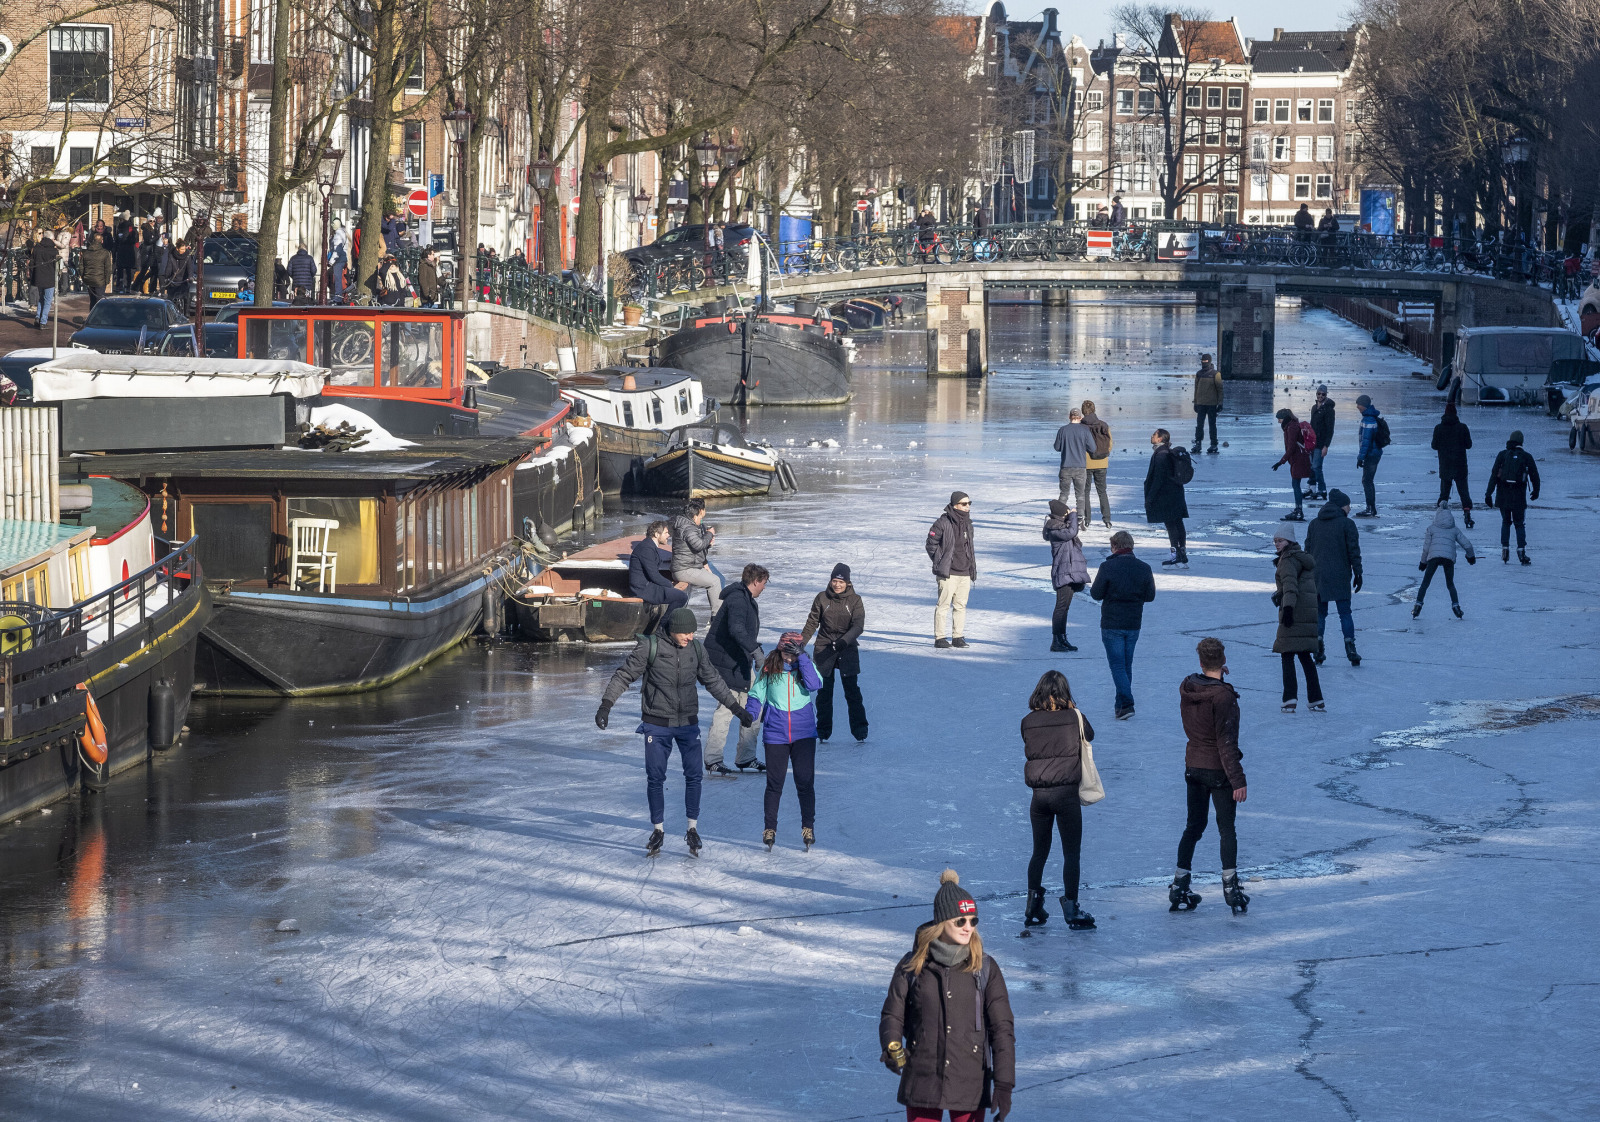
{"type": "Point", "coordinates": [1324, 186]}
{"type": "Point", "coordinates": [414, 80]}
{"type": "Point", "coordinates": [1302, 148]}
{"type": "Point", "coordinates": [1302, 109]}
{"type": "Point", "coordinates": [1234, 137]}
{"type": "Point", "coordinates": [78, 159]}
{"type": "Point", "coordinates": [1213, 168]}
{"type": "Point", "coordinates": [1350, 111]}
{"type": "Point", "coordinates": [1235, 97]}
{"type": "Point", "coordinates": [1208, 208]}
{"type": "Point", "coordinates": [348, 349]}
{"type": "Point", "coordinates": [80, 65]}
{"type": "Point", "coordinates": [119, 163]}
{"type": "Point", "coordinates": [1191, 130]}
{"type": "Point", "coordinates": [1350, 147]}
{"type": "Point", "coordinates": [1091, 174]}
{"type": "Point", "coordinates": [1121, 179]}
{"type": "Point", "coordinates": [1157, 208]}
{"type": "Point", "coordinates": [1191, 168]}
{"type": "Point", "coordinates": [1280, 109]}
{"type": "Point", "coordinates": [1213, 131]}
{"type": "Point", "coordinates": [1094, 136]}
{"type": "Point", "coordinates": [1191, 97]}
{"type": "Point", "coordinates": [1259, 115]}
{"type": "Point", "coordinates": [1258, 146]}
{"type": "Point", "coordinates": [1280, 148]}
{"type": "Point", "coordinates": [236, 539]}
{"type": "Point", "coordinates": [1230, 169]}
{"type": "Point", "coordinates": [1124, 101]}
{"type": "Point", "coordinates": [159, 78]}
{"type": "Point", "coordinates": [42, 160]}
{"type": "Point", "coordinates": [1325, 149]}
{"type": "Point", "coordinates": [1213, 97]}
{"type": "Point", "coordinates": [356, 539]}
{"type": "Point", "coordinates": [1302, 186]}
{"type": "Point", "coordinates": [1230, 209]}
{"type": "Point", "coordinates": [1325, 109]}
{"type": "Point", "coordinates": [272, 338]}
{"type": "Point", "coordinates": [1094, 100]}
{"type": "Point", "coordinates": [1147, 101]}
{"type": "Point", "coordinates": [413, 151]}
{"type": "Point", "coordinates": [413, 355]}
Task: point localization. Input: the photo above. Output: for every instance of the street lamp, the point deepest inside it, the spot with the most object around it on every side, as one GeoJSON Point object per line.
{"type": "Point", "coordinates": [705, 154]}
{"type": "Point", "coordinates": [543, 172]}
{"type": "Point", "coordinates": [1518, 152]}
{"type": "Point", "coordinates": [1022, 148]}
{"type": "Point", "coordinates": [327, 179]}
{"type": "Point", "coordinates": [199, 230]}
{"type": "Point", "coordinates": [459, 123]}
{"type": "Point", "coordinates": [639, 204]}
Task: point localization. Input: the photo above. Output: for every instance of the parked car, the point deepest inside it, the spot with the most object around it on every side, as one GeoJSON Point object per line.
{"type": "Point", "coordinates": [231, 312]}
{"type": "Point", "coordinates": [121, 325]}
{"type": "Point", "coordinates": [222, 341]}
{"type": "Point", "coordinates": [18, 368]}
{"type": "Point", "coordinates": [683, 241]}
{"type": "Point", "coordinates": [230, 268]}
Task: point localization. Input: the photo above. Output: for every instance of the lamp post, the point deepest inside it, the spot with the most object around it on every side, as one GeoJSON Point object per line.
{"type": "Point", "coordinates": [1517, 152]}
{"type": "Point", "coordinates": [327, 179]}
{"type": "Point", "coordinates": [705, 154]}
{"type": "Point", "coordinates": [639, 207]}
{"type": "Point", "coordinates": [459, 122]}
{"type": "Point", "coordinates": [199, 230]}
{"type": "Point", "coordinates": [542, 174]}
{"type": "Point", "coordinates": [1022, 148]}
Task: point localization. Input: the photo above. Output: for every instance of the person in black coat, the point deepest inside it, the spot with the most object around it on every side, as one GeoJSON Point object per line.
{"type": "Point", "coordinates": [645, 577]}
{"type": "Point", "coordinates": [1163, 496]}
{"type": "Point", "coordinates": [735, 645]}
{"type": "Point", "coordinates": [1123, 585]}
{"type": "Point", "coordinates": [45, 259]}
{"type": "Point", "coordinates": [951, 548]}
{"type": "Point", "coordinates": [946, 1026]}
{"type": "Point", "coordinates": [1451, 439]}
{"type": "Point", "coordinates": [1508, 490]}
{"type": "Point", "coordinates": [1335, 545]}
{"type": "Point", "coordinates": [838, 618]}
{"type": "Point", "coordinates": [127, 254]}
{"type": "Point", "coordinates": [671, 665]}
{"type": "Point", "coordinates": [1322, 425]}
{"type": "Point", "coordinates": [1052, 741]}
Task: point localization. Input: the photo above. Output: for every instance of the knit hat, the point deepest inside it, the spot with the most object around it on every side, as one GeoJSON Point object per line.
{"type": "Point", "coordinates": [1059, 508]}
{"type": "Point", "coordinates": [791, 641]}
{"type": "Point", "coordinates": [952, 900]}
{"type": "Point", "coordinates": [1322, 388]}
{"type": "Point", "coordinates": [840, 570]}
{"type": "Point", "coordinates": [681, 622]}
{"type": "Point", "coordinates": [1285, 534]}
{"type": "Point", "coordinates": [1338, 497]}
{"type": "Point", "coordinates": [1363, 401]}
{"type": "Point", "coordinates": [1450, 411]}
{"type": "Point", "coordinates": [1283, 414]}
{"type": "Point", "coordinates": [1516, 437]}
{"type": "Point", "coordinates": [957, 496]}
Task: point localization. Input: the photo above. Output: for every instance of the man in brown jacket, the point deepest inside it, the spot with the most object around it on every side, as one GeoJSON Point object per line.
{"type": "Point", "coordinates": [1212, 771]}
{"type": "Point", "coordinates": [95, 266]}
{"type": "Point", "coordinates": [1207, 401]}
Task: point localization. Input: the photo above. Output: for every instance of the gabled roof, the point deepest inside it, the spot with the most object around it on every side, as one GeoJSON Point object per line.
{"type": "Point", "coordinates": [1314, 52]}
{"type": "Point", "coordinates": [963, 31]}
{"type": "Point", "coordinates": [1204, 39]}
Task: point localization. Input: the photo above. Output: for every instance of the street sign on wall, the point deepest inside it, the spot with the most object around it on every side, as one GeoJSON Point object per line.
{"type": "Point", "coordinates": [417, 202]}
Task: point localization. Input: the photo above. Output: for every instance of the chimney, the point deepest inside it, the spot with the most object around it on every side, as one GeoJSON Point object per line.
{"type": "Point", "coordinates": [1116, 40]}
{"type": "Point", "coordinates": [1277, 34]}
{"type": "Point", "coordinates": [1050, 29]}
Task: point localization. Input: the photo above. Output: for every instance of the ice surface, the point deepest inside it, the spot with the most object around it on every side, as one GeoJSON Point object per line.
{"type": "Point", "coordinates": [480, 937]}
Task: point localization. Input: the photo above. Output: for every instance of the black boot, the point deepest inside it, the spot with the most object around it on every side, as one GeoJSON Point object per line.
{"type": "Point", "coordinates": [1233, 895]}
{"type": "Point", "coordinates": [1059, 643]}
{"type": "Point", "coordinates": [1505, 554]}
{"type": "Point", "coordinates": [1350, 652]}
{"type": "Point", "coordinates": [1522, 555]}
{"type": "Point", "coordinates": [1179, 896]}
{"type": "Point", "coordinates": [1035, 913]}
{"type": "Point", "coordinates": [1077, 918]}
{"type": "Point", "coordinates": [1322, 653]}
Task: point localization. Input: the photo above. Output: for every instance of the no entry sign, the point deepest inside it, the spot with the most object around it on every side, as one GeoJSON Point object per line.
{"type": "Point", "coordinates": [417, 202]}
{"type": "Point", "coordinates": [1099, 243]}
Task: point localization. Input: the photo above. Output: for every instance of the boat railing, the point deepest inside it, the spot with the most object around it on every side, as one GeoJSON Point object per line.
{"type": "Point", "coordinates": [40, 657]}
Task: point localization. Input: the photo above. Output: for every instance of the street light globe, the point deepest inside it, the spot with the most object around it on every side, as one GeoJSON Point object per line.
{"type": "Point", "coordinates": [459, 122]}
{"type": "Point", "coordinates": [730, 155]}
{"type": "Point", "coordinates": [544, 174]}
{"type": "Point", "coordinates": [705, 152]}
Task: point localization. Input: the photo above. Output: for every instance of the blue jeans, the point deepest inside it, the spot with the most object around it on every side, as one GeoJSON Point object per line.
{"type": "Point", "coordinates": [1318, 483]}
{"type": "Point", "coordinates": [658, 745]}
{"type": "Point", "coordinates": [1299, 497]}
{"type": "Point", "coordinates": [1347, 623]}
{"type": "Point", "coordinates": [47, 297]}
{"type": "Point", "coordinates": [1119, 653]}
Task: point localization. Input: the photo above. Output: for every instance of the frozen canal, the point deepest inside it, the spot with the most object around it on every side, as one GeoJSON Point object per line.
{"type": "Point", "coordinates": [431, 903]}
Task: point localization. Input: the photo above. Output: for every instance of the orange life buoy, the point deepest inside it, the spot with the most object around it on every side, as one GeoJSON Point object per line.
{"type": "Point", "coordinates": [93, 737]}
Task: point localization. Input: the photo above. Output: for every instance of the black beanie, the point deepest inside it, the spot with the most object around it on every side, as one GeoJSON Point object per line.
{"type": "Point", "coordinates": [957, 496]}
{"type": "Point", "coordinates": [681, 622]}
{"type": "Point", "coordinates": [1516, 437]}
{"type": "Point", "coordinates": [1059, 508]}
{"type": "Point", "coordinates": [841, 570]}
{"type": "Point", "coordinates": [1338, 498]}
{"type": "Point", "coordinates": [952, 900]}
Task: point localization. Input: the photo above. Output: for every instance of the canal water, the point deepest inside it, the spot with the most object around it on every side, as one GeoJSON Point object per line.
{"type": "Point", "coordinates": [431, 902]}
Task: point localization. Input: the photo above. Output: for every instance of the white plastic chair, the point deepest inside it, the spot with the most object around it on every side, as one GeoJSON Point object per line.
{"type": "Point", "coordinates": [311, 552]}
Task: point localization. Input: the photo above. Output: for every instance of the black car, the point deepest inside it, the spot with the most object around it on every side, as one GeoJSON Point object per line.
{"type": "Point", "coordinates": [231, 313]}
{"type": "Point", "coordinates": [230, 270]}
{"type": "Point", "coordinates": [119, 325]}
{"type": "Point", "coordinates": [222, 341]}
{"type": "Point", "coordinates": [683, 241]}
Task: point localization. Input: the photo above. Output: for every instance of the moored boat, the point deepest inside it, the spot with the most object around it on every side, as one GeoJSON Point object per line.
{"type": "Point", "coordinates": [633, 410]}
{"type": "Point", "coordinates": [585, 597]}
{"type": "Point", "coordinates": [769, 358]}
{"type": "Point", "coordinates": [713, 460]}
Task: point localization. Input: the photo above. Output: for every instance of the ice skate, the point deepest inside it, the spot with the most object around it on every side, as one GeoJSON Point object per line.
{"type": "Point", "coordinates": [1370, 512]}
{"type": "Point", "coordinates": [1322, 653]}
{"type": "Point", "coordinates": [693, 838]}
{"type": "Point", "coordinates": [757, 764]}
{"type": "Point", "coordinates": [1179, 896]}
{"type": "Point", "coordinates": [652, 847]}
{"type": "Point", "coordinates": [1350, 652]}
{"type": "Point", "coordinates": [1416, 609]}
{"type": "Point", "coordinates": [1172, 559]}
{"type": "Point", "coordinates": [1233, 895]}
{"type": "Point", "coordinates": [1035, 914]}
{"type": "Point", "coordinates": [768, 837]}
{"type": "Point", "coordinates": [1456, 608]}
{"type": "Point", "coordinates": [1194, 449]}
{"type": "Point", "coordinates": [1212, 451]}
{"type": "Point", "coordinates": [1294, 516]}
{"type": "Point", "coordinates": [1317, 706]}
{"type": "Point", "coordinates": [1522, 555]}
{"type": "Point", "coordinates": [808, 837]}
{"type": "Point", "coordinates": [1467, 515]}
{"type": "Point", "coordinates": [720, 768]}
{"type": "Point", "coordinates": [1505, 555]}
{"type": "Point", "coordinates": [1077, 918]}
{"type": "Point", "coordinates": [1290, 705]}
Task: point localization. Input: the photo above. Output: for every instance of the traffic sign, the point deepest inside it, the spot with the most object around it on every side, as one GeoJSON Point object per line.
{"type": "Point", "coordinates": [862, 204]}
{"type": "Point", "coordinates": [417, 202]}
{"type": "Point", "coordinates": [1099, 243]}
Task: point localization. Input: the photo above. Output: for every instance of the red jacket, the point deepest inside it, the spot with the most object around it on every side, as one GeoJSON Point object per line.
{"type": "Point", "coordinates": [1294, 453]}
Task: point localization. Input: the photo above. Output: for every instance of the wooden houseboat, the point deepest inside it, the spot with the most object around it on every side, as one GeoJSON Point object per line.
{"type": "Point", "coordinates": [713, 461]}
{"type": "Point", "coordinates": [633, 411]}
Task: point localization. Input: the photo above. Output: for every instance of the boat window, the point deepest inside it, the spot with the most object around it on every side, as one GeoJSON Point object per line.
{"type": "Point", "coordinates": [346, 348]}
{"type": "Point", "coordinates": [236, 539]}
{"type": "Point", "coordinates": [627, 414]}
{"type": "Point", "coordinates": [655, 405]}
{"type": "Point", "coordinates": [413, 354]}
{"type": "Point", "coordinates": [281, 339]}
{"type": "Point", "coordinates": [683, 402]}
{"type": "Point", "coordinates": [356, 539]}
{"type": "Point", "coordinates": [1522, 353]}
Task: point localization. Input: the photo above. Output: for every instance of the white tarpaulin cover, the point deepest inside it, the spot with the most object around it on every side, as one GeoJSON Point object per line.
{"type": "Point", "coordinates": [88, 374]}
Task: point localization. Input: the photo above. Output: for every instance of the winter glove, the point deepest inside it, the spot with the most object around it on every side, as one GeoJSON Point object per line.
{"type": "Point", "coordinates": [1077, 586]}
{"type": "Point", "coordinates": [1472, 558]}
{"type": "Point", "coordinates": [1286, 617]}
{"type": "Point", "coordinates": [1277, 599]}
{"type": "Point", "coordinates": [1277, 465]}
{"type": "Point", "coordinates": [602, 715]}
{"type": "Point", "coordinates": [1422, 566]}
{"type": "Point", "coordinates": [1356, 584]}
{"type": "Point", "coordinates": [888, 1062]}
{"type": "Point", "coordinates": [1361, 463]}
{"type": "Point", "coordinates": [1000, 1101]}
{"type": "Point", "coordinates": [745, 718]}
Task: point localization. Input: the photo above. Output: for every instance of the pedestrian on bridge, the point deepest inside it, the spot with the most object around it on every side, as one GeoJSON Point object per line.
{"type": "Point", "coordinates": [1207, 402]}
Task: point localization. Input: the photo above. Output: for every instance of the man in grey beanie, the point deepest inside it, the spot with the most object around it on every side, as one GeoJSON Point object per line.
{"type": "Point", "coordinates": [670, 667]}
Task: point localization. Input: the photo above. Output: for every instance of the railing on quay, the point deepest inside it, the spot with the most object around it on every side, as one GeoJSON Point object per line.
{"type": "Point", "coordinates": [552, 296]}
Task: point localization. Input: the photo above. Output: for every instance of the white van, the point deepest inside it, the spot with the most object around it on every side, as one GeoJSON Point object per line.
{"type": "Point", "coordinates": [1508, 365]}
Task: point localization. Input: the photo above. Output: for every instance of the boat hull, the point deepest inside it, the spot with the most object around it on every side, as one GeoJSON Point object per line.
{"type": "Point", "coordinates": [705, 473]}
{"type": "Point", "coordinates": [593, 620]}
{"type": "Point", "coordinates": [284, 644]}
{"type": "Point", "coordinates": [788, 365]}
{"type": "Point", "coordinates": [623, 453]}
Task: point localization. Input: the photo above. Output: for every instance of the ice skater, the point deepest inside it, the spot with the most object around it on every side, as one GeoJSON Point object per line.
{"type": "Point", "coordinates": [1213, 773]}
{"type": "Point", "coordinates": [1069, 570]}
{"type": "Point", "coordinates": [735, 646]}
{"type": "Point", "coordinates": [838, 617]}
{"type": "Point", "coordinates": [955, 567]}
{"type": "Point", "coordinates": [1373, 438]}
{"type": "Point", "coordinates": [1099, 459]}
{"type": "Point", "coordinates": [670, 709]}
{"type": "Point", "coordinates": [1296, 601]}
{"type": "Point", "coordinates": [1299, 440]}
{"type": "Point", "coordinates": [1452, 439]}
{"type": "Point", "coordinates": [1053, 733]}
{"type": "Point", "coordinates": [1075, 441]}
{"type": "Point", "coordinates": [1439, 552]}
{"type": "Point", "coordinates": [780, 698]}
{"type": "Point", "coordinates": [946, 1027]}
{"type": "Point", "coordinates": [1335, 545]}
{"type": "Point", "coordinates": [1322, 424]}
{"type": "Point", "coordinates": [1207, 402]}
{"type": "Point", "coordinates": [1169, 471]}
{"type": "Point", "coordinates": [1508, 490]}
{"type": "Point", "coordinates": [1124, 585]}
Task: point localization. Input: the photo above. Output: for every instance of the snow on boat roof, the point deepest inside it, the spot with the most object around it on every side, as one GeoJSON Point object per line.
{"type": "Point", "coordinates": [434, 458]}
{"type": "Point", "coordinates": [25, 544]}
{"type": "Point", "coordinates": [88, 374]}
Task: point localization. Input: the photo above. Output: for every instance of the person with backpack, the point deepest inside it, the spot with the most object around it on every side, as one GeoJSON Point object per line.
{"type": "Point", "coordinates": [1374, 438]}
{"type": "Point", "coordinates": [1299, 439]}
{"type": "Point", "coordinates": [1439, 552]}
{"type": "Point", "coordinates": [837, 619]}
{"type": "Point", "coordinates": [1075, 441]}
{"type": "Point", "coordinates": [1322, 425]}
{"type": "Point", "coordinates": [1069, 570]}
{"type": "Point", "coordinates": [1207, 402]}
{"type": "Point", "coordinates": [1099, 459]}
{"type": "Point", "coordinates": [780, 698]}
{"type": "Point", "coordinates": [955, 567]}
{"type": "Point", "coordinates": [1213, 773]}
{"type": "Point", "coordinates": [1053, 735]}
{"type": "Point", "coordinates": [1452, 439]}
{"type": "Point", "coordinates": [1508, 490]}
{"type": "Point", "coordinates": [946, 1028]}
{"type": "Point", "coordinates": [670, 665]}
{"type": "Point", "coordinates": [1296, 600]}
{"type": "Point", "coordinates": [1123, 585]}
{"type": "Point", "coordinates": [735, 647]}
{"type": "Point", "coordinates": [1170, 471]}
{"type": "Point", "coordinates": [1335, 545]}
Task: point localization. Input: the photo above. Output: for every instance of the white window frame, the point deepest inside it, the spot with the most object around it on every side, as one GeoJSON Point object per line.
{"type": "Point", "coordinates": [418, 83]}
{"type": "Point", "coordinates": [1094, 135]}
{"type": "Point", "coordinates": [1280, 109]}
{"type": "Point", "coordinates": [1092, 170]}
{"type": "Point", "coordinates": [1214, 95]}
{"type": "Point", "coordinates": [162, 43]}
{"type": "Point", "coordinates": [1230, 169]}
{"type": "Point", "coordinates": [1302, 186]}
{"type": "Point", "coordinates": [1325, 149]}
{"type": "Point", "coordinates": [1094, 100]}
{"type": "Point", "coordinates": [1147, 101]}
{"type": "Point", "coordinates": [1213, 132]}
{"type": "Point", "coordinates": [1325, 110]}
{"type": "Point", "coordinates": [1258, 146]}
{"type": "Point", "coordinates": [1281, 149]}
{"type": "Point", "coordinates": [1324, 186]}
{"type": "Point", "coordinates": [1261, 111]}
{"type": "Point", "coordinates": [1303, 110]}
{"type": "Point", "coordinates": [1191, 97]}
{"type": "Point", "coordinates": [111, 55]}
{"type": "Point", "coordinates": [1124, 101]}
{"type": "Point", "coordinates": [1235, 97]}
{"type": "Point", "coordinates": [1233, 132]}
{"type": "Point", "coordinates": [1302, 149]}
{"type": "Point", "coordinates": [1191, 167]}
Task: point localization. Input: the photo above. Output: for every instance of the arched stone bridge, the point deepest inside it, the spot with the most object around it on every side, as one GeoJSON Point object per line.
{"type": "Point", "coordinates": [957, 299]}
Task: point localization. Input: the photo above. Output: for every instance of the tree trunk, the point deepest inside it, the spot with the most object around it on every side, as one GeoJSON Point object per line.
{"type": "Point", "coordinates": [596, 135]}
{"type": "Point", "coordinates": [277, 126]}
{"type": "Point", "coordinates": [375, 188]}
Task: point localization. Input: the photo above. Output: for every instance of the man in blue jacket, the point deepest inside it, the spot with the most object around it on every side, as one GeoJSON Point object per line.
{"type": "Point", "coordinates": [1368, 453]}
{"type": "Point", "coordinates": [734, 645]}
{"type": "Point", "coordinates": [1123, 585]}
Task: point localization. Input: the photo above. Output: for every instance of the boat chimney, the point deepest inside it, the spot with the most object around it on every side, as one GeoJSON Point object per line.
{"type": "Point", "coordinates": [629, 382]}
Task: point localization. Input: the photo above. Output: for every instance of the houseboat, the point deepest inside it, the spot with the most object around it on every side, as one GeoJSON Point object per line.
{"type": "Point", "coordinates": [713, 460]}
{"type": "Point", "coordinates": [1507, 365]}
{"type": "Point", "coordinates": [584, 597]}
{"type": "Point", "coordinates": [333, 572]}
{"type": "Point", "coordinates": [99, 621]}
{"type": "Point", "coordinates": [743, 357]}
{"type": "Point", "coordinates": [633, 411]}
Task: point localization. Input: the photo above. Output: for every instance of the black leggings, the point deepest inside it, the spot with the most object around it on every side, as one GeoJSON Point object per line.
{"type": "Point", "coordinates": [1058, 808]}
{"type": "Point", "coordinates": [804, 754]}
{"type": "Point", "coordinates": [1434, 565]}
{"type": "Point", "coordinates": [1209, 785]}
{"type": "Point", "coordinates": [1290, 686]}
{"type": "Point", "coordinates": [1058, 618]}
{"type": "Point", "coordinates": [1176, 535]}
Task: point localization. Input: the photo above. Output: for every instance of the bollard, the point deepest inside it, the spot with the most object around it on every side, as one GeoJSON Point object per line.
{"type": "Point", "coordinates": [933, 350]}
{"type": "Point", "coordinates": [974, 352]}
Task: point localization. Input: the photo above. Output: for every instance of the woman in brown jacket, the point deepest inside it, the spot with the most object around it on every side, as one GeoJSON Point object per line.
{"type": "Point", "coordinates": [948, 1002]}
{"type": "Point", "coordinates": [1296, 601]}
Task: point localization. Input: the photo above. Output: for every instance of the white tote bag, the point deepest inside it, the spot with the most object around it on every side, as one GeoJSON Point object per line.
{"type": "Point", "coordinates": [1090, 789]}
